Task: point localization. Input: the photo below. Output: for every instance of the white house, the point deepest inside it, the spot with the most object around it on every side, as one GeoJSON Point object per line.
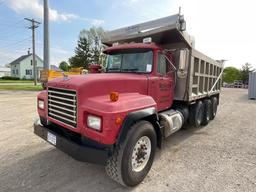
{"type": "Point", "coordinates": [22, 67]}
{"type": "Point", "coordinates": [5, 71]}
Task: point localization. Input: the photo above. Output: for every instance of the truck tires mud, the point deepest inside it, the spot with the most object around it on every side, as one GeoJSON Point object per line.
{"type": "Point", "coordinates": [132, 160]}
{"type": "Point", "coordinates": [207, 104]}
{"type": "Point", "coordinates": [214, 107]}
{"type": "Point", "coordinates": [196, 114]}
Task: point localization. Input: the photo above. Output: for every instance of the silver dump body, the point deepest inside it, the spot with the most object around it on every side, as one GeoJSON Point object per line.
{"type": "Point", "coordinates": [197, 75]}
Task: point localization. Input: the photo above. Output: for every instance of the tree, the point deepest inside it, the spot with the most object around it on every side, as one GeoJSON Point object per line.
{"type": "Point", "coordinates": [89, 48]}
{"type": "Point", "coordinates": [64, 66]}
{"type": "Point", "coordinates": [244, 72]}
{"type": "Point", "coordinates": [83, 54]}
{"type": "Point", "coordinates": [230, 74]}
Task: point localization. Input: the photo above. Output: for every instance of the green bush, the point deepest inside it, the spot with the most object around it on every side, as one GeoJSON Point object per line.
{"type": "Point", "coordinates": [10, 78]}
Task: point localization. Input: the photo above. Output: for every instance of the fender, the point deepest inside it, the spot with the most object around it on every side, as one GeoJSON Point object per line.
{"type": "Point", "coordinates": [148, 114]}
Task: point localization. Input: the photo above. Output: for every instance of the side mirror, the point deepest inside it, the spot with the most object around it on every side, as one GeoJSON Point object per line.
{"type": "Point", "coordinates": [182, 23]}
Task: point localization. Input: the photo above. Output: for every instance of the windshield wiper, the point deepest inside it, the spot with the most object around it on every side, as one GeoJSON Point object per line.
{"type": "Point", "coordinates": [113, 69]}
{"type": "Point", "coordinates": [132, 69]}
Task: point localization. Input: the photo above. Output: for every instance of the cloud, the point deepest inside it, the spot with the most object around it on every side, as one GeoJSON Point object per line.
{"type": "Point", "coordinates": [94, 22]}
{"type": "Point", "coordinates": [97, 22]}
{"type": "Point", "coordinates": [35, 7]}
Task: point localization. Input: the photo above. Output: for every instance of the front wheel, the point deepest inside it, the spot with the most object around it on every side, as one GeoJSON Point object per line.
{"type": "Point", "coordinates": [133, 159]}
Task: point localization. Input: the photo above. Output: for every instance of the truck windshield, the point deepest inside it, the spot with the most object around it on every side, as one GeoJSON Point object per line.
{"type": "Point", "coordinates": [138, 61]}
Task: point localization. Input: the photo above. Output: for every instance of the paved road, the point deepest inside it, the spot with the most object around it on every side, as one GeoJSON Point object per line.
{"type": "Point", "coordinates": [218, 157]}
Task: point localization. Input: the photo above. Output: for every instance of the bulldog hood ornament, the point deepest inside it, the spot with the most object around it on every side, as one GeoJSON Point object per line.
{"type": "Point", "coordinates": [65, 76]}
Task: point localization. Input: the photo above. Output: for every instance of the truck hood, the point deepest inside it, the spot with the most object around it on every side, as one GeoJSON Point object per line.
{"type": "Point", "coordinates": [91, 85]}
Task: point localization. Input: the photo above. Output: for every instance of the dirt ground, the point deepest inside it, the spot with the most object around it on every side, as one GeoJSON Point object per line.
{"type": "Point", "coordinates": [218, 157]}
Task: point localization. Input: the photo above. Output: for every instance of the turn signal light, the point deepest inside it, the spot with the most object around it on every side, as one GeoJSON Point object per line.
{"type": "Point", "coordinates": [118, 121]}
{"type": "Point", "coordinates": [114, 96]}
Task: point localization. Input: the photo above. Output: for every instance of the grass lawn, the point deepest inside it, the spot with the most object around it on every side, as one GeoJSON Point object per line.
{"type": "Point", "coordinates": [15, 81]}
{"type": "Point", "coordinates": [21, 87]}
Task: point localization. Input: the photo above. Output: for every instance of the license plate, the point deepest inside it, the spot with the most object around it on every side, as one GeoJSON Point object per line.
{"type": "Point", "coordinates": [51, 138]}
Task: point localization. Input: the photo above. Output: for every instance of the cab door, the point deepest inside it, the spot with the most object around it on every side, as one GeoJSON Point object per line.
{"type": "Point", "coordinates": [164, 82]}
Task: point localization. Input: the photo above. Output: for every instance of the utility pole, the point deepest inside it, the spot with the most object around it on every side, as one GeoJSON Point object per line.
{"type": "Point", "coordinates": [46, 36]}
{"type": "Point", "coordinates": [34, 25]}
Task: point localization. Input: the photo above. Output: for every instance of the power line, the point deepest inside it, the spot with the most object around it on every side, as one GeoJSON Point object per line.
{"type": "Point", "coordinates": [12, 34]}
{"type": "Point", "coordinates": [15, 43]}
{"type": "Point", "coordinates": [5, 30]}
{"type": "Point", "coordinates": [34, 25]}
{"type": "Point", "coordinates": [14, 25]}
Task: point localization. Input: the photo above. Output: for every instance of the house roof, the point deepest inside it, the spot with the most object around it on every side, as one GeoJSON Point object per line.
{"type": "Point", "coordinates": [21, 58]}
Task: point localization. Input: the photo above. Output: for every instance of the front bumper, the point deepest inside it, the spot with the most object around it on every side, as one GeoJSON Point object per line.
{"type": "Point", "coordinates": [81, 151]}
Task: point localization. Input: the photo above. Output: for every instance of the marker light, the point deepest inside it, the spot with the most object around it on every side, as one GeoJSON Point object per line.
{"type": "Point", "coordinates": [118, 121]}
{"type": "Point", "coordinates": [114, 96]}
{"type": "Point", "coordinates": [147, 40]}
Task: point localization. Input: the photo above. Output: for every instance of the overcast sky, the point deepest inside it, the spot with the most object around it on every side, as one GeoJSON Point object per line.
{"type": "Point", "coordinates": [223, 29]}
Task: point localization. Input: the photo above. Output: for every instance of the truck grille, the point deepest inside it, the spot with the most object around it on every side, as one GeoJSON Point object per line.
{"type": "Point", "coordinates": [62, 105]}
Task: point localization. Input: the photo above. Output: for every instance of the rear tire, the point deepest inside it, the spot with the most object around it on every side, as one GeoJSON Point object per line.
{"type": "Point", "coordinates": [214, 107]}
{"type": "Point", "coordinates": [132, 160]}
{"type": "Point", "coordinates": [196, 114]}
{"type": "Point", "coordinates": [207, 111]}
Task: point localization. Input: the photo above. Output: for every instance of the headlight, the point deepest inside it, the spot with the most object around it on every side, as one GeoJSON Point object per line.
{"type": "Point", "coordinates": [94, 122]}
{"type": "Point", "coordinates": [40, 104]}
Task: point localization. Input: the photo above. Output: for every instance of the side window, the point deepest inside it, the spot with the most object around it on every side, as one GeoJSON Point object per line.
{"type": "Point", "coordinates": [162, 64]}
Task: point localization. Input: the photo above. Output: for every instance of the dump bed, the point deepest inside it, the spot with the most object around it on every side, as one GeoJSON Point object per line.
{"type": "Point", "coordinates": [197, 75]}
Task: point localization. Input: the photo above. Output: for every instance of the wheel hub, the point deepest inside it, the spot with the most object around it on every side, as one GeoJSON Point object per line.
{"type": "Point", "coordinates": [141, 153]}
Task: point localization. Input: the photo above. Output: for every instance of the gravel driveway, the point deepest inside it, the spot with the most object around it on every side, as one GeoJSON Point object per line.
{"type": "Point", "coordinates": [219, 157]}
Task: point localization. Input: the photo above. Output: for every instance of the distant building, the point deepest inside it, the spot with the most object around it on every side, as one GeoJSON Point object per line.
{"type": "Point", "coordinates": [55, 68]}
{"type": "Point", "coordinates": [5, 71]}
{"type": "Point", "coordinates": [22, 67]}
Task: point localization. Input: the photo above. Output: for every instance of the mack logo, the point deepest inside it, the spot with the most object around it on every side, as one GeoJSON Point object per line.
{"type": "Point", "coordinates": [164, 86]}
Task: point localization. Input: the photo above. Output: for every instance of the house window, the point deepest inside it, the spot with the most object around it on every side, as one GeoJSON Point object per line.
{"type": "Point", "coordinates": [17, 72]}
{"type": "Point", "coordinates": [13, 72]}
{"type": "Point", "coordinates": [31, 61]}
{"type": "Point", "coordinates": [28, 72]}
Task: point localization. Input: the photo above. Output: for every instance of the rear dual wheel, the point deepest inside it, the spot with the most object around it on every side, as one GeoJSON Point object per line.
{"type": "Point", "coordinates": [203, 111]}
{"type": "Point", "coordinates": [207, 105]}
{"type": "Point", "coordinates": [214, 101]}
{"type": "Point", "coordinates": [196, 114]}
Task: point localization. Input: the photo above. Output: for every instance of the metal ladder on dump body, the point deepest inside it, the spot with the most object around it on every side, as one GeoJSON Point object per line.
{"type": "Point", "coordinates": [167, 30]}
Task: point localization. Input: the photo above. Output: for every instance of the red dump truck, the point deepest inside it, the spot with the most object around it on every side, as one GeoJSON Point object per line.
{"type": "Point", "coordinates": [154, 83]}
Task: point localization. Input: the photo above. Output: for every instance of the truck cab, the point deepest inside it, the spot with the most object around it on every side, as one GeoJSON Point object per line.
{"type": "Point", "coordinates": [153, 83]}
{"type": "Point", "coordinates": [151, 62]}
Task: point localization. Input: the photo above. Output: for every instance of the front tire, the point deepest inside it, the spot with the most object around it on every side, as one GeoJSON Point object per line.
{"type": "Point", "coordinates": [133, 159]}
